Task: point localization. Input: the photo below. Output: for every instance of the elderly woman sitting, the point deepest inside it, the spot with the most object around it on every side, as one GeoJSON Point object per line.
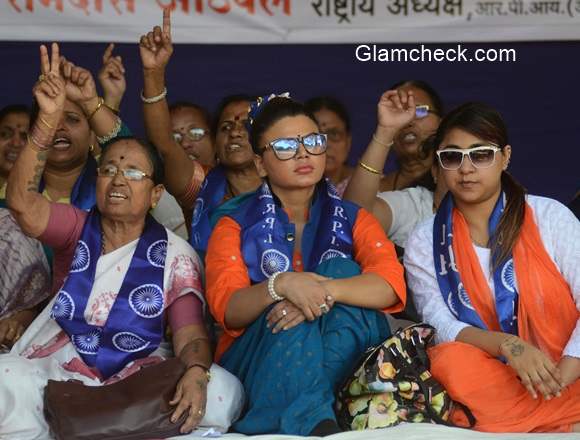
{"type": "Point", "coordinates": [128, 276]}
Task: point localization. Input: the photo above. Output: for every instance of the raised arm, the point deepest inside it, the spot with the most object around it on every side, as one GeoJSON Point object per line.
{"type": "Point", "coordinates": [112, 79]}
{"type": "Point", "coordinates": [28, 206]}
{"type": "Point", "coordinates": [156, 49]}
{"type": "Point", "coordinates": [394, 110]}
{"type": "Point", "coordinates": [81, 88]}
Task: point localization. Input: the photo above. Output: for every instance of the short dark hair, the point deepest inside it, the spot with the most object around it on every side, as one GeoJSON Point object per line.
{"type": "Point", "coordinates": [273, 111]}
{"type": "Point", "coordinates": [329, 103]}
{"type": "Point", "coordinates": [227, 100]}
{"type": "Point", "coordinates": [186, 104]}
{"type": "Point", "coordinates": [151, 152]}
{"type": "Point", "coordinates": [12, 109]}
{"type": "Point", "coordinates": [428, 89]}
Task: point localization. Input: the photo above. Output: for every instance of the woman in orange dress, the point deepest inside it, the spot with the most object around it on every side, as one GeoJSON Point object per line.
{"type": "Point", "coordinates": [496, 272]}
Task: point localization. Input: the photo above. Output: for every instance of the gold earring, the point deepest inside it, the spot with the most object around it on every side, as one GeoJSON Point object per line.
{"type": "Point", "coordinates": [153, 205]}
{"type": "Point", "coordinates": [91, 148]}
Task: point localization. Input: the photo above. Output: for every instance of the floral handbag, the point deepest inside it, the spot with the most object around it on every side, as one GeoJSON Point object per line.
{"type": "Point", "coordinates": [393, 384]}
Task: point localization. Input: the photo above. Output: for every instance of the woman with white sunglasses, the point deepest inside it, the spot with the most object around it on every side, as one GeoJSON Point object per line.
{"type": "Point", "coordinates": [496, 272]}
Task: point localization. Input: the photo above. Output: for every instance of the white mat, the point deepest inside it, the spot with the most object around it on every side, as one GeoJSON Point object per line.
{"type": "Point", "coordinates": [409, 431]}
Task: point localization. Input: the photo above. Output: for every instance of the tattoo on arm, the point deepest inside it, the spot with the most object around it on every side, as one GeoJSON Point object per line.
{"type": "Point", "coordinates": [38, 170]}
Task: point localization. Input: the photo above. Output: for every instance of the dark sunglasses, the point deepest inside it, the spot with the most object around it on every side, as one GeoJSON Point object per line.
{"type": "Point", "coordinates": [287, 148]}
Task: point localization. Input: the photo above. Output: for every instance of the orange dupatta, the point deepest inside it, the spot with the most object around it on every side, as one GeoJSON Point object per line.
{"type": "Point", "coordinates": [547, 314]}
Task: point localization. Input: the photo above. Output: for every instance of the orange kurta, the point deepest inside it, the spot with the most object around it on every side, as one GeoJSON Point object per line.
{"type": "Point", "coordinates": [226, 271]}
{"type": "Point", "coordinates": [547, 317]}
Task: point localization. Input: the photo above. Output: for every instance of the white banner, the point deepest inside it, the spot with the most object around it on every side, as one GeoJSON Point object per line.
{"type": "Point", "coordinates": [293, 21]}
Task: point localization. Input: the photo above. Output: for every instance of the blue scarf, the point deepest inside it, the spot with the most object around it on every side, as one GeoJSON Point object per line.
{"type": "Point", "coordinates": [268, 236]}
{"type": "Point", "coordinates": [135, 325]}
{"type": "Point", "coordinates": [84, 192]}
{"type": "Point", "coordinates": [449, 279]}
{"type": "Point", "coordinates": [211, 195]}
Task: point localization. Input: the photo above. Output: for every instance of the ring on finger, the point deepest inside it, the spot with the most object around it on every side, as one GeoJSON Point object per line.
{"type": "Point", "coordinates": [324, 308]}
{"type": "Point", "coordinates": [41, 77]}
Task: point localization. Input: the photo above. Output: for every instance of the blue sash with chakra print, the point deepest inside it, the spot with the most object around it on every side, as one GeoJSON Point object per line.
{"type": "Point", "coordinates": [211, 195]}
{"type": "Point", "coordinates": [449, 278]}
{"type": "Point", "coordinates": [267, 235]}
{"type": "Point", "coordinates": [135, 326]}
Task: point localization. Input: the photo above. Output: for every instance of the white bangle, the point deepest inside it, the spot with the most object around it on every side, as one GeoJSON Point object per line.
{"type": "Point", "coordinates": [112, 134]}
{"type": "Point", "coordinates": [154, 99]}
{"type": "Point", "coordinates": [271, 290]}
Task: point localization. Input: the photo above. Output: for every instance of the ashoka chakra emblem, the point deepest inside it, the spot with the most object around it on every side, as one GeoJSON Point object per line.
{"type": "Point", "coordinates": [82, 257]}
{"type": "Point", "coordinates": [88, 343]}
{"type": "Point", "coordinates": [157, 252]}
{"type": "Point", "coordinates": [274, 261]}
{"type": "Point", "coordinates": [129, 342]}
{"type": "Point", "coordinates": [331, 253]}
{"type": "Point", "coordinates": [63, 307]}
{"type": "Point", "coordinates": [147, 301]}
{"type": "Point", "coordinates": [507, 276]}
{"type": "Point", "coordinates": [197, 210]}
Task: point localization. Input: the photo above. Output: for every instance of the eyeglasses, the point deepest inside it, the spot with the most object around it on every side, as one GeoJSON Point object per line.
{"type": "Point", "coordinates": [481, 157]}
{"type": "Point", "coordinates": [287, 148]}
{"type": "Point", "coordinates": [193, 134]}
{"type": "Point", "coordinates": [422, 111]}
{"type": "Point", "coordinates": [129, 173]}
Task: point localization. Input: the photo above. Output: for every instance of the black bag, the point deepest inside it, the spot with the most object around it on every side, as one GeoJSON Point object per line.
{"type": "Point", "coordinates": [393, 384]}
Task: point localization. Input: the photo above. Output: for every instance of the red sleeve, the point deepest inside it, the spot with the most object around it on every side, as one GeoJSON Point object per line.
{"type": "Point", "coordinates": [225, 269]}
{"type": "Point", "coordinates": [65, 226]}
{"type": "Point", "coordinates": [187, 200]}
{"type": "Point", "coordinates": [375, 253]}
{"type": "Point", "coordinates": [185, 310]}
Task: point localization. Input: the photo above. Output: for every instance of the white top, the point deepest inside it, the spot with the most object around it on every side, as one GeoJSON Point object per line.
{"type": "Point", "coordinates": [560, 232]}
{"type": "Point", "coordinates": [169, 214]}
{"type": "Point", "coordinates": [408, 208]}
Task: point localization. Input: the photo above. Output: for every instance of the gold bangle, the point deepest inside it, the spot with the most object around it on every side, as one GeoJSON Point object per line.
{"type": "Point", "coordinates": [45, 122]}
{"type": "Point", "coordinates": [389, 145]}
{"type": "Point", "coordinates": [364, 166]}
{"type": "Point", "coordinates": [101, 102]}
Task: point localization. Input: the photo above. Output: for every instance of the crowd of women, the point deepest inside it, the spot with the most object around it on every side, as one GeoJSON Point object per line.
{"type": "Point", "coordinates": [118, 253]}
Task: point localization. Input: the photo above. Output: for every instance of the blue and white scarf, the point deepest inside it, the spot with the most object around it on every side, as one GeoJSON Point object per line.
{"type": "Point", "coordinates": [134, 327]}
{"type": "Point", "coordinates": [268, 236]}
{"type": "Point", "coordinates": [449, 278]}
{"type": "Point", "coordinates": [211, 195]}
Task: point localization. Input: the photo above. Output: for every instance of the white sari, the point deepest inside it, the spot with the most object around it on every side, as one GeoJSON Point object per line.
{"type": "Point", "coordinates": [45, 351]}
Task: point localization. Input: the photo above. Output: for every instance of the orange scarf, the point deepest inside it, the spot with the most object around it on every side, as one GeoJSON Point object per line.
{"type": "Point", "coordinates": [547, 314]}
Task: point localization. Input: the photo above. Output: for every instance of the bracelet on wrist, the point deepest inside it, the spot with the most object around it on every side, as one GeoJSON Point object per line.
{"type": "Point", "coordinates": [271, 290]}
{"type": "Point", "coordinates": [154, 99]}
{"type": "Point", "coordinates": [203, 367]}
{"type": "Point", "coordinates": [112, 134]}
{"type": "Point", "coordinates": [100, 103]}
{"type": "Point", "coordinates": [368, 168]}
{"type": "Point", "coordinates": [36, 144]}
{"type": "Point", "coordinates": [376, 139]}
